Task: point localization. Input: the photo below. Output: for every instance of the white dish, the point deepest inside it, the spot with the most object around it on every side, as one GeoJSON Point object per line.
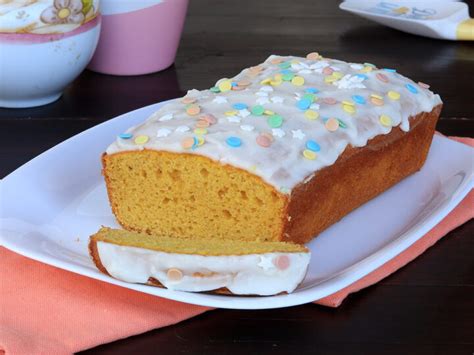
{"type": "Point", "coordinates": [53, 203]}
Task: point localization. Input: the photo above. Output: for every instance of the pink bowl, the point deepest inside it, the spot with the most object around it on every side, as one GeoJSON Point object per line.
{"type": "Point", "coordinates": [140, 42]}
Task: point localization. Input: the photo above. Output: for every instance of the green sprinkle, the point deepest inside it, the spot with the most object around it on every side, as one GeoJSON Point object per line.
{"type": "Point", "coordinates": [287, 76]}
{"type": "Point", "coordinates": [275, 121]}
{"type": "Point", "coordinates": [310, 97]}
{"type": "Point", "coordinates": [215, 89]}
{"type": "Point", "coordinates": [342, 124]}
{"type": "Point", "coordinates": [284, 65]}
{"type": "Point", "coordinates": [257, 110]}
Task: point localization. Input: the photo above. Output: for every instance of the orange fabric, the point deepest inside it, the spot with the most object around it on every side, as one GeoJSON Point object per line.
{"type": "Point", "coordinates": [45, 310]}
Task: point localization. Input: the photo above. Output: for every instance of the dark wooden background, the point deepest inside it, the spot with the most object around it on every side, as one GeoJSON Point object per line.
{"type": "Point", "coordinates": [425, 308]}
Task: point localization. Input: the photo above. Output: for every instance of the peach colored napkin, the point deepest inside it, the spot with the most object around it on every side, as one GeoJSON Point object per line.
{"type": "Point", "coordinates": [45, 310]}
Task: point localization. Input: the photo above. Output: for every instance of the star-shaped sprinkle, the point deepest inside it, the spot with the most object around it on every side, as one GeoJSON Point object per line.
{"type": "Point", "coordinates": [277, 99]}
{"type": "Point", "coordinates": [262, 100]}
{"type": "Point", "coordinates": [314, 107]}
{"type": "Point", "coordinates": [298, 133]}
{"type": "Point", "coordinates": [261, 93]}
{"type": "Point", "coordinates": [234, 119]}
{"type": "Point", "coordinates": [278, 132]}
{"type": "Point", "coordinates": [266, 88]}
{"type": "Point", "coordinates": [247, 127]}
{"type": "Point", "coordinates": [266, 263]}
{"type": "Point", "coordinates": [304, 71]}
{"type": "Point", "coordinates": [166, 117]}
{"type": "Point", "coordinates": [182, 129]}
{"type": "Point", "coordinates": [219, 100]}
{"type": "Point", "coordinates": [163, 132]}
{"type": "Point", "coordinates": [356, 66]}
{"type": "Point", "coordinates": [244, 113]}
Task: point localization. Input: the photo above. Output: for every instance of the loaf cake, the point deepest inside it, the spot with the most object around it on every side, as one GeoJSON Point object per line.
{"type": "Point", "coordinates": [279, 152]}
{"type": "Point", "coordinates": [197, 265]}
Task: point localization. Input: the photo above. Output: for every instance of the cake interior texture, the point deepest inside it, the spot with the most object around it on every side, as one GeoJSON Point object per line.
{"type": "Point", "coordinates": [183, 194]}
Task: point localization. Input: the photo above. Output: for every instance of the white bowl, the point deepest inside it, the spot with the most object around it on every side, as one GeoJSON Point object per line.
{"type": "Point", "coordinates": [35, 68]}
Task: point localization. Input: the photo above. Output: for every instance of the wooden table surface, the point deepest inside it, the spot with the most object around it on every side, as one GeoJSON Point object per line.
{"type": "Point", "coordinates": [427, 307]}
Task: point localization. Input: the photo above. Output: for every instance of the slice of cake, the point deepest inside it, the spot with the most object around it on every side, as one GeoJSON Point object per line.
{"type": "Point", "coordinates": [279, 152]}
{"type": "Point", "coordinates": [197, 265]}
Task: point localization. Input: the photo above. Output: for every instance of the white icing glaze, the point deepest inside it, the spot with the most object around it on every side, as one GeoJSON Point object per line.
{"type": "Point", "coordinates": [252, 274]}
{"type": "Point", "coordinates": [283, 164]}
{"type": "Point", "coordinates": [40, 16]}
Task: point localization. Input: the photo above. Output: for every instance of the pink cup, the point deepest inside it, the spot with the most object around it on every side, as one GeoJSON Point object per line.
{"type": "Point", "coordinates": [138, 37]}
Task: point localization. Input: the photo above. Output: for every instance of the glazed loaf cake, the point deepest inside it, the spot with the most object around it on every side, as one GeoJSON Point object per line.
{"type": "Point", "coordinates": [279, 152]}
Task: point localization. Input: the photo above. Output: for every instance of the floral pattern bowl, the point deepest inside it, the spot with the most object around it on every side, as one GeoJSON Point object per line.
{"type": "Point", "coordinates": [45, 45]}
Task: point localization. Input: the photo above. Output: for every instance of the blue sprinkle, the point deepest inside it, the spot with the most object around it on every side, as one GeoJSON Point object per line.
{"type": "Point", "coordinates": [195, 144]}
{"type": "Point", "coordinates": [125, 135]}
{"type": "Point", "coordinates": [312, 90]}
{"type": "Point", "coordinates": [411, 88]}
{"type": "Point", "coordinates": [358, 99]}
{"type": "Point", "coordinates": [390, 70]}
{"type": "Point", "coordinates": [363, 76]}
{"type": "Point", "coordinates": [312, 145]}
{"type": "Point", "coordinates": [286, 71]}
{"type": "Point", "coordinates": [233, 84]}
{"type": "Point", "coordinates": [234, 142]}
{"type": "Point", "coordinates": [304, 104]}
{"type": "Point", "coordinates": [239, 106]}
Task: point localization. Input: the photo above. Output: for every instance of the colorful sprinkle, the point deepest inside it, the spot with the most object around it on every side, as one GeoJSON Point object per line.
{"type": "Point", "coordinates": [332, 124]}
{"type": "Point", "coordinates": [234, 142]}
{"type": "Point", "coordinates": [376, 100]}
{"type": "Point", "coordinates": [337, 74]}
{"type": "Point", "coordinates": [423, 85]}
{"type": "Point", "coordinates": [309, 154]}
{"type": "Point", "coordinates": [188, 100]}
{"type": "Point", "coordinates": [215, 89]}
{"type": "Point", "coordinates": [264, 141]}
{"type": "Point", "coordinates": [239, 106]}
{"type": "Point", "coordinates": [313, 56]}
{"type": "Point", "coordinates": [311, 90]}
{"type": "Point", "coordinates": [285, 65]}
{"type": "Point", "coordinates": [231, 113]}
{"type": "Point", "coordinates": [349, 108]}
{"type": "Point", "coordinates": [382, 77]}
{"type": "Point", "coordinates": [225, 85]}
{"type": "Point", "coordinates": [209, 118]}
{"type": "Point", "coordinates": [257, 110]}
{"type": "Point", "coordinates": [193, 110]}
{"type": "Point", "coordinates": [304, 103]}
{"type": "Point", "coordinates": [328, 71]}
{"type": "Point", "coordinates": [385, 120]}
{"type": "Point", "coordinates": [342, 124]}
{"type": "Point", "coordinates": [389, 70]}
{"type": "Point", "coordinates": [288, 76]}
{"type": "Point", "coordinates": [311, 114]}
{"type": "Point", "coordinates": [244, 82]}
{"type": "Point", "coordinates": [412, 88]}
{"type": "Point", "coordinates": [141, 139]}
{"type": "Point", "coordinates": [362, 76]}
{"type": "Point", "coordinates": [297, 81]}
{"type": "Point", "coordinates": [275, 121]}
{"type": "Point", "coordinates": [359, 99]}
{"type": "Point", "coordinates": [174, 274]}
{"type": "Point", "coordinates": [198, 141]}
{"type": "Point", "coordinates": [202, 124]}
{"type": "Point", "coordinates": [313, 145]}
{"type": "Point", "coordinates": [330, 101]}
{"type": "Point", "coordinates": [268, 112]}
{"type": "Point", "coordinates": [125, 135]}
{"type": "Point", "coordinates": [276, 61]}
{"type": "Point", "coordinates": [394, 95]}
{"type": "Point", "coordinates": [188, 142]}
{"type": "Point", "coordinates": [200, 131]}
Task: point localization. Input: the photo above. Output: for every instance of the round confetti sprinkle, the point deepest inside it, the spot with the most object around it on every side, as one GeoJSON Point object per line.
{"type": "Point", "coordinates": [230, 113]}
{"type": "Point", "coordinates": [141, 139]}
{"type": "Point", "coordinates": [257, 110]}
{"type": "Point", "coordinates": [266, 81]}
{"type": "Point", "coordinates": [202, 124]}
{"type": "Point", "coordinates": [423, 85]}
{"type": "Point", "coordinates": [174, 274]}
{"type": "Point", "coordinates": [125, 135]}
{"type": "Point", "coordinates": [332, 124]}
{"type": "Point", "coordinates": [312, 90]}
{"type": "Point", "coordinates": [188, 100]}
{"type": "Point", "coordinates": [188, 142]}
{"type": "Point", "coordinates": [297, 80]}
{"type": "Point", "coordinates": [215, 89]}
{"type": "Point", "coordinates": [330, 101]}
{"type": "Point", "coordinates": [198, 141]}
{"type": "Point", "coordinates": [193, 110]}
{"type": "Point", "coordinates": [288, 76]}
{"type": "Point", "coordinates": [412, 88]}
{"type": "Point", "coordinates": [349, 109]}
{"type": "Point", "coordinates": [337, 74]}
{"type": "Point", "coordinates": [330, 79]}
{"type": "Point", "coordinates": [382, 77]}
{"type": "Point", "coordinates": [359, 99]}
{"type": "Point", "coordinates": [244, 82]}
{"type": "Point", "coordinates": [268, 112]}
{"type": "Point", "coordinates": [264, 141]}
{"type": "Point", "coordinates": [275, 121]}
{"type": "Point", "coordinates": [200, 131]}
{"type": "Point", "coordinates": [311, 114]}
{"type": "Point", "coordinates": [394, 95]}
{"type": "Point", "coordinates": [285, 65]}
{"type": "Point", "coordinates": [347, 102]}
{"type": "Point", "coordinates": [238, 88]}
{"type": "Point", "coordinates": [234, 142]}
{"type": "Point", "coordinates": [209, 118]}
{"type": "Point", "coordinates": [276, 61]}
{"type": "Point", "coordinates": [225, 85]}
{"type": "Point", "coordinates": [233, 84]}
{"type": "Point", "coordinates": [385, 120]}
{"type": "Point", "coordinates": [376, 96]}
{"type": "Point", "coordinates": [310, 97]}
{"type": "Point", "coordinates": [328, 71]}
{"type": "Point", "coordinates": [309, 154]}
{"type": "Point", "coordinates": [304, 104]}
{"type": "Point", "coordinates": [362, 76]}
{"type": "Point", "coordinates": [313, 56]}
{"type": "Point", "coordinates": [376, 101]}
{"type": "Point", "coordinates": [313, 145]}
{"type": "Point", "coordinates": [239, 106]}
{"type": "Point", "coordinates": [366, 69]}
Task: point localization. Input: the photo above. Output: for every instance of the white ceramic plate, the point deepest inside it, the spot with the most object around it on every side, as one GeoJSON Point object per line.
{"type": "Point", "coordinates": [53, 203]}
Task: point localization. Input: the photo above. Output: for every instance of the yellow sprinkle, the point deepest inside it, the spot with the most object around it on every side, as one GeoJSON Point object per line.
{"type": "Point", "coordinates": [297, 81]}
{"type": "Point", "coordinates": [330, 79]}
{"type": "Point", "coordinates": [276, 82]}
{"type": "Point", "coordinates": [385, 120]}
{"type": "Point", "coordinates": [200, 131]}
{"type": "Point", "coordinates": [295, 61]}
{"type": "Point", "coordinates": [394, 95]}
{"type": "Point", "coordinates": [349, 109]}
{"type": "Point", "coordinates": [268, 112]}
{"type": "Point", "coordinates": [366, 69]}
{"type": "Point", "coordinates": [266, 81]}
{"type": "Point", "coordinates": [337, 75]}
{"type": "Point", "coordinates": [375, 96]}
{"type": "Point", "coordinates": [347, 102]}
{"type": "Point", "coordinates": [200, 140]}
{"type": "Point", "coordinates": [225, 85]}
{"type": "Point", "coordinates": [311, 115]}
{"type": "Point", "coordinates": [309, 154]}
{"type": "Point", "coordinates": [142, 139]}
{"type": "Point", "coordinates": [230, 113]}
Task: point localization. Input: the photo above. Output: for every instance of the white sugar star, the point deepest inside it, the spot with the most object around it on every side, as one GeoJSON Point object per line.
{"type": "Point", "coordinates": [262, 100]}
{"type": "Point", "coordinates": [247, 127]}
{"type": "Point", "coordinates": [278, 132]}
{"type": "Point", "coordinates": [304, 71]}
{"type": "Point", "coordinates": [166, 117]}
{"type": "Point", "coordinates": [356, 66]}
{"type": "Point", "coordinates": [234, 119]}
{"type": "Point", "coordinates": [266, 88]}
{"type": "Point", "coordinates": [277, 99]}
{"type": "Point", "coordinates": [219, 100]}
{"type": "Point", "coordinates": [182, 129]}
{"type": "Point", "coordinates": [244, 113]}
{"type": "Point", "coordinates": [314, 107]}
{"type": "Point", "coordinates": [261, 93]}
{"type": "Point", "coordinates": [266, 263]}
{"type": "Point", "coordinates": [298, 134]}
{"type": "Point", "coordinates": [163, 132]}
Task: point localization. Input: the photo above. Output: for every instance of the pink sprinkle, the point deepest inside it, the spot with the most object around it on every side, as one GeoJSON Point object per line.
{"type": "Point", "coordinates": [330, 100]}
{"type": "Point", "coordinates": [328, 71]}
{"type": "Point", "coordinates": [209, 118]}
{"type": "Point", "coordinates": [264, 141]}
{"type": "Point", "coordinates": [382, 77]}
{"type": "Point", "coordinates": [282, 262]}
{"type": "Point", "coordinates": [423, 85]}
